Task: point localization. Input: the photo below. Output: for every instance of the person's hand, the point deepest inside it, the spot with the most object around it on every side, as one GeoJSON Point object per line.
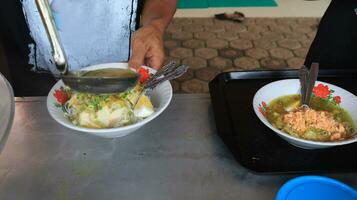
{"type": "Point", "coordinates": [147, 47]}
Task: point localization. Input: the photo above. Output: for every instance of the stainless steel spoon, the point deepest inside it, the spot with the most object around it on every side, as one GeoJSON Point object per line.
{"type": "Point", "coordinates": [168, 72]}
{"type": "Point", "coordinates": [307, 82]}
{"type": "Point", "coordinates": [82, 81]}
{"type": "Point", "coordinates": [304, 76]}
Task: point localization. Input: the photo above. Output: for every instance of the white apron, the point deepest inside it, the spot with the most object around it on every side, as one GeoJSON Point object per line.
{"type": "Point", "coordinates": [91, 31]}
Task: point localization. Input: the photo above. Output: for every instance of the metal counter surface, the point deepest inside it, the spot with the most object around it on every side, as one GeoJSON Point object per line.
{"type": "Point", "coordinates": [177, 156]}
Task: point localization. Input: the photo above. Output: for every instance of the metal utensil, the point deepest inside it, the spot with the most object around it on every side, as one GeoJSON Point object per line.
{"type": "Point", "coordinates": [307, 81]}
{"type": "Point", "coordinates": [79, 80]}
{"type": "Point", "coordinates": [166, 73]}
{"type": "Point", "coordinates": [303, 75]}
{"type": "Point", "coordinates": [166, 68]}
{"type": "Point", "coordinates": [313, 73]}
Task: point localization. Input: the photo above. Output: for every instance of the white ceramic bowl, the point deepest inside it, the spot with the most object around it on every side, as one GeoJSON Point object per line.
{"type": "Point", "coordinates": [7, 110]}
{"type": "Point", "coordinates": [161, 97]}
{"type": "Point", "coordinates": [276, 89]}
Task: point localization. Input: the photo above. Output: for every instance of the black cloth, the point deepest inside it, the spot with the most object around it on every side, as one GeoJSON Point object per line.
{"type": "Point", "coordinates": [335, 44]}
{"type": "Point", "coordinates": [15, 37]}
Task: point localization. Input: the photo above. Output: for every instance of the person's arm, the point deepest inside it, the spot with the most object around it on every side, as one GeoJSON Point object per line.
{"type": "Point", "coordinates": [147, 42]}
{"type": "Point", "coordinates": [158, 13]}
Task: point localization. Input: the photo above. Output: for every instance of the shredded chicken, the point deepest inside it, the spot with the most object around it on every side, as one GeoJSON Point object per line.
{"type": "Point", "coordinates": [306, 118]}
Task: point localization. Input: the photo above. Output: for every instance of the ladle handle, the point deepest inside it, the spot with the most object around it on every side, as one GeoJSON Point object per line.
{"type": "Point", "coordinates": [58, 53]}
{"type": "Point", "coordinates": [304, 77]}
{"type": "Point", "coordinates": [313, 73]}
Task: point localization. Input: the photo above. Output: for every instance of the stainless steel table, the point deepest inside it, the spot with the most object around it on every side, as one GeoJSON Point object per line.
{"type": "Point", "coordinates": [177, 156]}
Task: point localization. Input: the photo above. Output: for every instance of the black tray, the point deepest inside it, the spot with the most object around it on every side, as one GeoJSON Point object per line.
{"type": "Point", "coordinates": [258, 148]}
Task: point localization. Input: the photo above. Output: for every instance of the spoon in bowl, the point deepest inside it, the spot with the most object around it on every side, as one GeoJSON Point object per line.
{"type": "Point", "coordinates": [307, 82]}
{"type": "Point", "coordinates": [166, 73]}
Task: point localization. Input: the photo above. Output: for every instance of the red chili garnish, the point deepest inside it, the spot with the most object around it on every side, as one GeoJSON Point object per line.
{"type": "Point", "coordinates": [144, 74]}
{"type": "Point", "coordinates": [262, 111]}
{"type": "Point", "coordinates": [321, 91]}
{"type": "Point", "coordinates": [262, 108]}
{"type": "Point", "coordinates": [337, 99]}
{"type": "Point", "coordinates": [61, 96]}
{"type": "Point", "coordinates": [264, 104]}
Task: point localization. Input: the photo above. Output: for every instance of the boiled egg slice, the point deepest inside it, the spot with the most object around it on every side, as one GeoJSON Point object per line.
{"type": "Point", "coordinates": [144, 107]}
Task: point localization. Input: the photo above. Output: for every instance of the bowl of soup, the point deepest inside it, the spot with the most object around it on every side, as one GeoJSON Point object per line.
{"type": "Point", "coordinates": [107, 115]}
{"type": "Point", "coordinates": [330, 120]}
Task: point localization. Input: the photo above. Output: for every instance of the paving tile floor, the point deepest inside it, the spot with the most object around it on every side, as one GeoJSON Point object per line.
{"type": "Point", "coordinates": [211, 46]}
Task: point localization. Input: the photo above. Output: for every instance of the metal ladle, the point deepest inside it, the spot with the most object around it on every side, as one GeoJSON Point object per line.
{"type": "Point", "coordinates": [307, 82]}
{"type": "Point", "coordinates": [83, 81]}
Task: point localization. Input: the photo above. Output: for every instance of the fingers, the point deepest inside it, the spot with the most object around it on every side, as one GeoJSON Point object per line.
{"type": "Point", "coordinates": [147, 48]}
{"type": "Point", "coordinates": [138, 54]}
{"type": "Point", "coordinates": [157, 59]}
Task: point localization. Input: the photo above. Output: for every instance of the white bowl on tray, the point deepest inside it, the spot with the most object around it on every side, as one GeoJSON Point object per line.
{"type": "Point", "coordinates": [280, 88]}
{"type": "Point", "coordinates": [161, 97]}
{"type": "Point", "coordinates": [7, 110]}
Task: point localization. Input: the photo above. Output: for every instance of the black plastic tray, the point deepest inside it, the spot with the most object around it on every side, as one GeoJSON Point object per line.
{"type": "Point", "coordinates": [258, 148]}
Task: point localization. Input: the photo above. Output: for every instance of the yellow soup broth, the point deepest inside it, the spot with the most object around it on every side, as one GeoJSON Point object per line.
{"type": "Point", "coordinates": [281, 106]}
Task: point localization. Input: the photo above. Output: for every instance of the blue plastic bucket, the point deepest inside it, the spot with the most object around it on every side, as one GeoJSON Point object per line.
{"type": "Point", "coordinates": [315, 188]}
